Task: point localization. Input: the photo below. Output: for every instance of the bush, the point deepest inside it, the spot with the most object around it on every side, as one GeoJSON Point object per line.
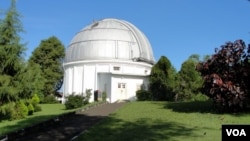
{"type": "Point", "coordinates": [50, 99]}
{"type": "Point", "coordinates": [104, 96]}
{"type": "Point", "coordinates": [34, 102]}
{"type": "Point", "coordinates": [200, 97]}
{"type": "Point", "coordinates": [88, 95]}
{"type": "Point", "coordinates": [16, 110]}
{"type": "Point", "coordinates": [74, 101]}
{"type": "Point", "coordinates": [143, 95]}
{"type": "Point", "coordinates": [37, 108]}
{"type": "Point", "coordinates": [30, 109]}
{"type": "Point", "coordinates": [35, 99]}
{"type": "Point", "coordinates": [21, 110]}
{"type": "Point", "coordinates": [7, 111]}
{"type": "Point", "coordinates": [41, 97]}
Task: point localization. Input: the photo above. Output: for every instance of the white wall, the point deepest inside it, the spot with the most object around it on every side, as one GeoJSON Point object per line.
{"type": "Point", "coordinates": [102, 76]}
{"type": "Point", "coordinates": [104, 83]}
{"type": "Point", "coordinates": [133, 84]}
{"type": "Point", "coordinates": [78, 80]}
{"type": "Point", "coordinates": [89, 81]}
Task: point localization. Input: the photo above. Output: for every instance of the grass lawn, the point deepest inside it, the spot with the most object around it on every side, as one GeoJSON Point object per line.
{"type": "Point", "coordinates": [48, 111]}
{"type": "Point", "coordinates": [156, 121]}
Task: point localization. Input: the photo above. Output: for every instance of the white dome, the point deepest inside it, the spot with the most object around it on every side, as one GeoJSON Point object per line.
{"type": "Point", "coordinates": [109, 39]}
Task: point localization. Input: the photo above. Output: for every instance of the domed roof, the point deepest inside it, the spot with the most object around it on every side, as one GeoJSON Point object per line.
{"type": "Point", "coordinates": [109, 39]}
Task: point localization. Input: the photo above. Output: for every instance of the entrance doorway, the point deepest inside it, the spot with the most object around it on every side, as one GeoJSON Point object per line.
{"type": "Point", "coordinates": [122, 91]}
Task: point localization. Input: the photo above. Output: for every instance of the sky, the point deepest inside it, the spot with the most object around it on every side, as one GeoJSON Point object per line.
{"type": "Point", "coordinates": [175, 28]}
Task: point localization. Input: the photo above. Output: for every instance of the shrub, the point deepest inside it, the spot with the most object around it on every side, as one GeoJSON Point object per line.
{"type": "Point", "coordinates": [37, 108]}
{"type": "Point", "coordinates": [143, 95]}
{"type": "Point", "coordinates": [88, 95]}
{"type": "Point", "coordinates": [35, 99]}
{"type": "Point", "coordinates": [104, 96]}
{"type": "Point", "coordinates": [41, 97]}
{"type": "Point", "coordinates": [22, 110]}
{"type": "Point", "coordinates": [7, 111]}
{"type": "Point", "coordinates": [200, 97]}
{"type": "Point", "coordinates": [74, 101]}
{"type": "Point", "coordinates": [50, 99]}
{"type": "Point", "coordinates": [30, 109]}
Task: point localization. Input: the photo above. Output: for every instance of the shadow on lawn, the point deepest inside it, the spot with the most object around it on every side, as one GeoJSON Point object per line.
{"type": "Point", "coordinates": [143, 129]}
{"type": "Point", "coordinates": [58, 128]}
{"type": "Point", "coordinates": [191, 107]}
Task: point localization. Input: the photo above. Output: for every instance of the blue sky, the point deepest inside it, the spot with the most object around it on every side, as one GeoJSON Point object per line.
{"type": "Point", "coordinates": [175, 28]}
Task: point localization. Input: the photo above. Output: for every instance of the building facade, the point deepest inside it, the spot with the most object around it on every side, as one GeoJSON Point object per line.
{"type": "Point", "coordinates": [111, 56]}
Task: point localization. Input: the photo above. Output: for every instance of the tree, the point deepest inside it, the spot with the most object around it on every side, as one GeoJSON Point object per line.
{"type": "Point", "coordinates": [31, 81]}
{"type": "Point", "coordinates": [49, 55]}
{"type": "Point", "coordinates": [11, 55]}
{"type": "Point", "coordinates": [227, 76]}
{"type": "Point", "coordinates": [189, 80]}
{"type": "Point", "coordinates": [161, 80]}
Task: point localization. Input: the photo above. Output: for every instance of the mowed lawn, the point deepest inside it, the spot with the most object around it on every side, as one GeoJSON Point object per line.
{"type": "Point", "coordinates": [158, 121]}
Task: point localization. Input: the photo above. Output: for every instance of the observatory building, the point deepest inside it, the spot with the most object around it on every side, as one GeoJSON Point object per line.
{"type": "Point", "coordinates": [111, 56]}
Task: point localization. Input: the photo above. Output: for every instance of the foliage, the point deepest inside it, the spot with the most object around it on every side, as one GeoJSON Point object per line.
{"type": "Point", "coordinates": [50, 99]}
{"type": "Point", "coordinates": [35, 103]}
{"type": "Point", "coordinates": [143, 95]}
{"type": "Point", "coordinates": [88, 94]}
{"type": "Point", "coordinates": [11, 55]}
{"type": "Point", "coordinates": [31, 81]}
{"type": "Point", "coordinates": [104, 96]}
{"type": "Point", "coordinates": [14, 110]}
{"type": "Point", "coordinates": [227, 76]}
{"type": "Point", "coordinates": [35, 99]}
{"type": "Point", "coordinates": [162, 80]}
{"type": "Point", "coordinates": [49, 111]}
{"type": "Point", "coordinates": [37, 108]}
{"type": "Point", "coordinates": [7, 111]}
{"type": "Point", "coordinates": [21, 110]}
{"type": "Point", "coordinates": [199, 97]}
{"type": "Point", "coordinates": [31, 109]}
{"type": "Point", "coordinates": [49, 55]}
{"type": "Point", "coordinates": [189, 80]}
{"type": "Point", "coordinates": [12, 64]}
{"type": "Point", "coordinates": [74, 101]}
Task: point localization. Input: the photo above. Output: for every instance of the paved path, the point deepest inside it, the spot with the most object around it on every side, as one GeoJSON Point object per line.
{"type": "Point", "coordinates": [67, 127]}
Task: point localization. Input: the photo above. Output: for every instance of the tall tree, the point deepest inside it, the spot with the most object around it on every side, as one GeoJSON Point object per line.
{"type": "Point", "coordinates": [189, 80]}
{"type": "Point", "coordinates": [11, 55]}
{"type": "Point", "coordinates": [31, 81]}
{"type": "Point", "coordinates": [49, 55]}
{"type": "Point", "coordinates": [161, 80]}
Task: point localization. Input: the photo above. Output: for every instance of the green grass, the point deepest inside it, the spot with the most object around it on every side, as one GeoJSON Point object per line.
{"type": "Point", "coordinates": [48, 111]}
{"type": "Point", "coordinates": [159, 121]}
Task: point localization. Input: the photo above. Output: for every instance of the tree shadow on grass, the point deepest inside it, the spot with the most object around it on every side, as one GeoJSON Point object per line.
{"type": "Point", "coordinates": [144, 129]}
{"type": "Point", "coordinates": [191, 107]}
{"type": "Point", "coordinates": [110, 128]}
{"type": "Point", "coordinates": [54, 128]}
{"type": "Point", "coordinates": [199, 107]}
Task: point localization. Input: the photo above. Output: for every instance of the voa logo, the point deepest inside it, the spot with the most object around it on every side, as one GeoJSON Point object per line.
{"type": "Point", "coordinates": [236, 132]}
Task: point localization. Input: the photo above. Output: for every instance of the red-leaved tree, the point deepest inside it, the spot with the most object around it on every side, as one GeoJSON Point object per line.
{"type": "Point", "coordinates": [226, 76]}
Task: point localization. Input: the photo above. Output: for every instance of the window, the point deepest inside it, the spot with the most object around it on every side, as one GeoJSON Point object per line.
{"type": "Point", "coordinates": [116, 68]}
{"type": "Point", "coordinates": [121, 85]}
